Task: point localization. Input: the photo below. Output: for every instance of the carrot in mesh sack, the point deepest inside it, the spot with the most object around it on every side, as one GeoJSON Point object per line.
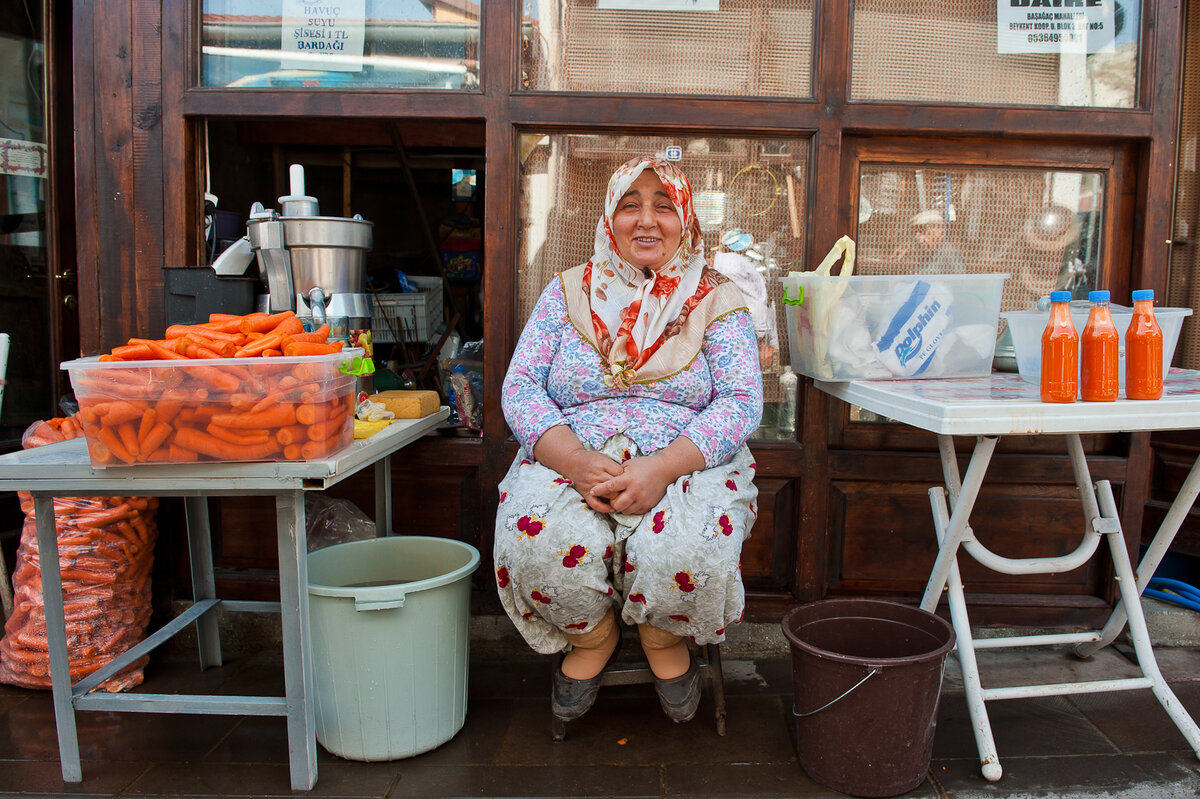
{"type": "Point", "coordinates": [106, 550]}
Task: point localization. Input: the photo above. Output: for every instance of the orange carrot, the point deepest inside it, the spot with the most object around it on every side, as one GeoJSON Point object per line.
{"type": "Point", "coordinates": [160, 351]}
{"type": "Point", "coordinates": [261, 323]}
{"type": "Point", "coordinates": [108, 436]}
{"type": "Point", "coordinates": [298, 348]}
{"type": "Point", "coordinates": [206, 444]}
{"type": "Point", "coordinates": [122, 411]}
{"type": "Point", "coordinates": [127, 432]}
{"type": "Point", "coordinates": [292, 434]}
{"type": "Point", "coordinates": [237, 436]}
{"type": "Point", "coordinates": [148, 421]}
{"type": "Point", "coordinates": [156, 437]}
{"type": "Point", "coordinates": [278, 415]}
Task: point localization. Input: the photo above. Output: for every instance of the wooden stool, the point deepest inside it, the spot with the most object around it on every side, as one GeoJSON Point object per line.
{"type": "Point", "coordinates": [619, 672]}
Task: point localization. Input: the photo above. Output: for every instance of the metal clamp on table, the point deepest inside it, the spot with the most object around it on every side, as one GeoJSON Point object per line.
{"type": "Point", "coordinates": [1003, 404]}
{"type": "Point", "coordinates": [64, 469]}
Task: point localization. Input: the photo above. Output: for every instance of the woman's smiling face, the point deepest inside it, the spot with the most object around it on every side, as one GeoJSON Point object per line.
{"type": "Point", "coordinates": [646, 223]}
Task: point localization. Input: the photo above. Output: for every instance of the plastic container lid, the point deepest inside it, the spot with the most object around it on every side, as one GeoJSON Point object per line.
{"type": "Point", "coordinates": [1098, 296]}
{"type": "Point", "coordinates": [1060, 296]}
{"type": "Point", "coordinates": [1143, 294]}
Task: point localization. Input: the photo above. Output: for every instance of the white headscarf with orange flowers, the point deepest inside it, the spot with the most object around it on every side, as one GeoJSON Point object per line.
{"type": "Point", "coordinates": [629, 309]}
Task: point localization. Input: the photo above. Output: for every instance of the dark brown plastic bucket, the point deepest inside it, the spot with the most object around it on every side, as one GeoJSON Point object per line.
{"type": "Point", "coordinates": [867, 676]}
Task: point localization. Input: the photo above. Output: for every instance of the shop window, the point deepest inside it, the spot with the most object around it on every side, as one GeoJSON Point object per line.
{"type": "Point", "coordinates": [1041, 226]}
{"type": "Point", "coordinates": [928, 51]}
{"type": "Point", "coordinates": [344, 45]}
{"type": "Point", "coordinates": [749, 196]}
{"type": "Point", "coordinates": [700, 47]}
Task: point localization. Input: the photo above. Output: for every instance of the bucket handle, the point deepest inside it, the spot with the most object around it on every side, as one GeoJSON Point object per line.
{"type": "Point", "coordinates": [380, 604]}
{"type": "Point", "coordinates": [870, 674]}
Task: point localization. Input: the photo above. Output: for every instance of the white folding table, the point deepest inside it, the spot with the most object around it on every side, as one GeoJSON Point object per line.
{"type": "Point", "coordinates": [1003, 404]}
{"type": "Point", "coordinates": [63, 469]}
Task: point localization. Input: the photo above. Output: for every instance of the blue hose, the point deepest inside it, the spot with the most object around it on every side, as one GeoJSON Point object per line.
{"type": "Point", "coordinates": [1182, 594]}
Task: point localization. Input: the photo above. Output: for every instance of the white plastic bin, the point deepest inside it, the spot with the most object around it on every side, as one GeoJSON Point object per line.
{"type": "Point", "coordinates": [389, 629]}
{"type": "Point", "coordinates": [1027, 326]}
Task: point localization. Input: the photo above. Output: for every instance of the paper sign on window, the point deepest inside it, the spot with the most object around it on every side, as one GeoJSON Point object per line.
{"type": "Point", "coordinates": [324, 35]}
{"type": "Point", "coordinates": [1056, 26]}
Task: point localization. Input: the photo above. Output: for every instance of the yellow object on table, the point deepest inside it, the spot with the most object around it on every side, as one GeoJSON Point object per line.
{"type": "Point", "coordinates": [408, 403]}
{"type": "Point", "coordinates": [363, 429]}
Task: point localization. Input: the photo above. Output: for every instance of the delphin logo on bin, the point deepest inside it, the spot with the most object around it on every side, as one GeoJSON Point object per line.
{"type": "Point", "coordinates": [915, 329]}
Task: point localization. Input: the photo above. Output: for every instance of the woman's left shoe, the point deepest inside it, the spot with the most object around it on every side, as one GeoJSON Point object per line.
{"type": "Point", "coordinates": [680, 696]}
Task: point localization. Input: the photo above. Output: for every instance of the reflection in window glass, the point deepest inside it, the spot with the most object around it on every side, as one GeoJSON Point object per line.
{"type": "Point", "coordinates": [749, 196]}
{"type": "Point", "coordinates": [744, 48]}
{"type": "Point", "coordinates": [929, 51]}
{"type": "Point", "coordinates": [363, 44]}
{"type": "Point", "coordinates": [1042, 227]}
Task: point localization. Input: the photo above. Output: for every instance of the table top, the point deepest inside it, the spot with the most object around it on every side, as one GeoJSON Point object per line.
{"type": "Point", "coordinates": [65, 467]}
{"type": "Point", "coordinates": [1004, 404]}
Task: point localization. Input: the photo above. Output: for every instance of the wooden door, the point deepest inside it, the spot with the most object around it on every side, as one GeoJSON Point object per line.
{"type": "Point", "coordinates": [1052, 216]}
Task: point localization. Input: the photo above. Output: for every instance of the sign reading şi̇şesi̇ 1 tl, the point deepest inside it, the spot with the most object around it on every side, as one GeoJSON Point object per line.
{"type": "Point", "coordinates": [323, 35]}
{"type": "Point", "coordinates": [1055, 26]}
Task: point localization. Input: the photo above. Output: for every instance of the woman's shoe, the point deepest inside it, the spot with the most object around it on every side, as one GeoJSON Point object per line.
{"type": "Point", "coordinates": [571, 698]}
{"type": "Point", "coordinates": [680, 696]}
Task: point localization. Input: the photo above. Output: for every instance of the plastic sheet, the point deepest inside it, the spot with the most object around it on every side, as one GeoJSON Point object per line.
{"type": "Point", "coordinates": [106, 550]}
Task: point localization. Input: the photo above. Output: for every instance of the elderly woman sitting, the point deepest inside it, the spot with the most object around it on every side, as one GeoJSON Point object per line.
{"type": "Point", "coordinates": [632, 390]}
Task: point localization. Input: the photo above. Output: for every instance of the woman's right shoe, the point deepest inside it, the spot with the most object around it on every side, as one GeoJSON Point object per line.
{"type": "Point", "coordinates": [571, 698]}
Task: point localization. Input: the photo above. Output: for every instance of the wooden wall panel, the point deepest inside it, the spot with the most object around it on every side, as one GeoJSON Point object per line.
{"type": "Point", "coordinates": [884, 539]}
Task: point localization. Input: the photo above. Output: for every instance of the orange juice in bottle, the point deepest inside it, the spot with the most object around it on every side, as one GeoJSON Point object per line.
{"type": "Point", "coordinates": [1143, 350]}
{"type": "Point", "coordinates": [1100, 346]}
{"type": "Point", "coordinates": [1060, 352]}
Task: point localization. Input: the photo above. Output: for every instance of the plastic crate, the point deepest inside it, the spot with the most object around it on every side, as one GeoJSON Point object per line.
{"type": "Point", "coordinates": [886, 327]}
{"type": "Point", "coordinates": [411, 317]}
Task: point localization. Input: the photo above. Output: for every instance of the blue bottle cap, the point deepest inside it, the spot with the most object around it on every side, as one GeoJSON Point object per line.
{"type": "Point", "coordinates": [1143, 294]}
{"type": "Point", "coordinates": [1098, 296]}
{"type": "Point", "coordinates": [1060, 296]}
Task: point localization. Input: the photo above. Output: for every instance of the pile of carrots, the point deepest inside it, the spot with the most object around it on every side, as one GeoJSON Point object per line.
{"type": "Point", "coordinates": [105, 552]}
{"type": "Point", "coordinates": [223, 397]}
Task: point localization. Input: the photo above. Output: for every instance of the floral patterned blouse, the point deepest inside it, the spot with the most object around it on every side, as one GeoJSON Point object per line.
{"type": "Point", "coordinates": [556, 377]}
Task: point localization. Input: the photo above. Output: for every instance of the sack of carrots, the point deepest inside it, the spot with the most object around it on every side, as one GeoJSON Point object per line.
{"type": "Point", "coordinates": [105, 551]}
{"type": "Point", "coordinates": [235, 388]}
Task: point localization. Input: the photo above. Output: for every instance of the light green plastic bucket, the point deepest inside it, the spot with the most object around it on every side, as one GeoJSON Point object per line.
{"type": "Point", "coordinates": [388, 624]}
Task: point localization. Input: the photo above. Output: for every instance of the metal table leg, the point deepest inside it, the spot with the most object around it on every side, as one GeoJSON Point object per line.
{"type": "Point", "coordinates": [56, 638]}
{"type": "Point", "coordinates": [208, 637]}
{"type": "Point", "coordinates": [383, 496]}
{"type": "Point", "coordinates": [1149, 563]}
{"type": "Point", "coordinates": [297, 650]}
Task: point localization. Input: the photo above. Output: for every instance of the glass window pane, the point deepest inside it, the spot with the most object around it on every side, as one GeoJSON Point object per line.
{"type": "Point", "coordinates": [743, 48]}
{"type": "Point", "coordinates": [749, 196]}
{"type": "Point", "coordinates": [350, 44]}
{"type": "Point", "coordinates": [1042, 227]}
{"type": "Point", "coordinates": [928, 51]}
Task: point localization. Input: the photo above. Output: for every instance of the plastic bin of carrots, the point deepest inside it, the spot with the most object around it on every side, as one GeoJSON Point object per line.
{"type": "Point", "coordinates": [216, 409]}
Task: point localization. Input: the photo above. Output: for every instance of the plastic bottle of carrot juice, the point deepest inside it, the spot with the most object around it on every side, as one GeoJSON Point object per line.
{"type": "Point", "coordinates": [1060, 352]}
{"type": "Point", "coordinates": [1099, 372]}
{"type": "Point", "coordinates": [1143, 350]}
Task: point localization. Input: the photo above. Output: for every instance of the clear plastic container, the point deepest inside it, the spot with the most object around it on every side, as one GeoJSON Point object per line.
{"type": "Point", "coordinates": [219, 409]}
{"type": "Point", "coordinates": [886, 327]}
{"type": "Point", "coordinates": [1026, 328]}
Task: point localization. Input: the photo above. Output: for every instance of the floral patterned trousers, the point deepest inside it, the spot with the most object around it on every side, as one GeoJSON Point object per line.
{"type": "Point", "coordinates": [561, 565]}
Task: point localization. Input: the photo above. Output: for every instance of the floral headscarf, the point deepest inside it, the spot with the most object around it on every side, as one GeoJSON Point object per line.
{"type": "Point", "coordinates": [630, 310]}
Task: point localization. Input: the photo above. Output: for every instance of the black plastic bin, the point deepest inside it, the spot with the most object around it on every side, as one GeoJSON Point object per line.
{"type": "Point", "coordinates": [194, 292]}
